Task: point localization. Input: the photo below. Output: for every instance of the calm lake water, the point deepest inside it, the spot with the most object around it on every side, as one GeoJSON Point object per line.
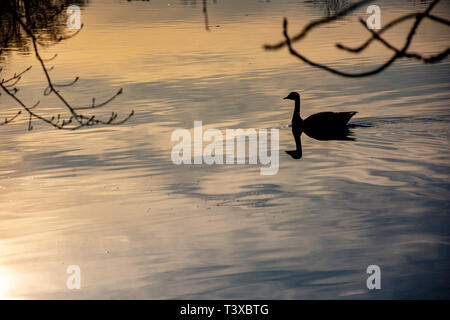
{"type": "Point", "coordinates": [110, 200]}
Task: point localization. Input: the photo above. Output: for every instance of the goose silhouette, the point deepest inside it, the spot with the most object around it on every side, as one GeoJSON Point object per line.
{"type": "Point", "coordinates": [319, 126]}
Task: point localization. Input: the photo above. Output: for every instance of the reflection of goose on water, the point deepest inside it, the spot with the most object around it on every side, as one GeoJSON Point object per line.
{"type": "Point", "coordinates": [320, 126]}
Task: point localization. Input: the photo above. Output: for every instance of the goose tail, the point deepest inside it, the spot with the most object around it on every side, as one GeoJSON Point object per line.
{"type": "Point", "coordinates": [349, 115]}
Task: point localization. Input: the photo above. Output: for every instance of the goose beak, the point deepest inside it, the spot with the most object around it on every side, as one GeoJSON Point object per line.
{"type": "Point", "coordinates": [286, 97]}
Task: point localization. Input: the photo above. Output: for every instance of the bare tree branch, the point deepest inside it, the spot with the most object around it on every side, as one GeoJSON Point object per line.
{"type": "Point", "coordinates": [398, 53]}
{"type": "Point", "coordinates": [387, 27]}
{"type": "Point", "coordinates": [76, 120]}
{"type": "Point", "coordinates": [11, 119]}
{"type": "Point", "coordinates": [315, 23]}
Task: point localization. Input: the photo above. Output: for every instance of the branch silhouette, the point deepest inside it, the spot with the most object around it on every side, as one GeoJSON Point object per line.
{"type": "Point", "coordinates": [76, 119]}
{"type": "Point", "coordinates": [375, 36]}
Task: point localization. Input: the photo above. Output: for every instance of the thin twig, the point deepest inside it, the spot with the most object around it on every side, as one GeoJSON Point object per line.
{"type": "Point", "coordinates": [11, 119]}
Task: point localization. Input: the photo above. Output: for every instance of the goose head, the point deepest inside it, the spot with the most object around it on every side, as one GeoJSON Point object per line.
{"type": "Point", "coordinates": [293, 96]}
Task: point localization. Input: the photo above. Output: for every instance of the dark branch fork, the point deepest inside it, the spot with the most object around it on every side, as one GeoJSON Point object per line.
{"type": "Point", "coordinates": [76, 120]}
{"type": "Point", "coordinates": [398, 53]}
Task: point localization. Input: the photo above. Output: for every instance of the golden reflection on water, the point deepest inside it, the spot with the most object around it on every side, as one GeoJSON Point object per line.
{"type": "Point", "coordinates": [5, 283]}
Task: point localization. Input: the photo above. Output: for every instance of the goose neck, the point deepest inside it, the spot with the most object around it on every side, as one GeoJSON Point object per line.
{"type": "Point", "coordinates": [296, 116]}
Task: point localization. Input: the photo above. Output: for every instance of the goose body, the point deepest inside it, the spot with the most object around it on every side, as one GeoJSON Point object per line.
{"type": "Point", "coordinates": [322, 125]}
{"type": "Point", "coordinates": [327, 120]}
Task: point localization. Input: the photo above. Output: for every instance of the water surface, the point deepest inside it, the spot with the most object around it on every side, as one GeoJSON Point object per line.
{"type": "Point", "coordinates": [110, 200]}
